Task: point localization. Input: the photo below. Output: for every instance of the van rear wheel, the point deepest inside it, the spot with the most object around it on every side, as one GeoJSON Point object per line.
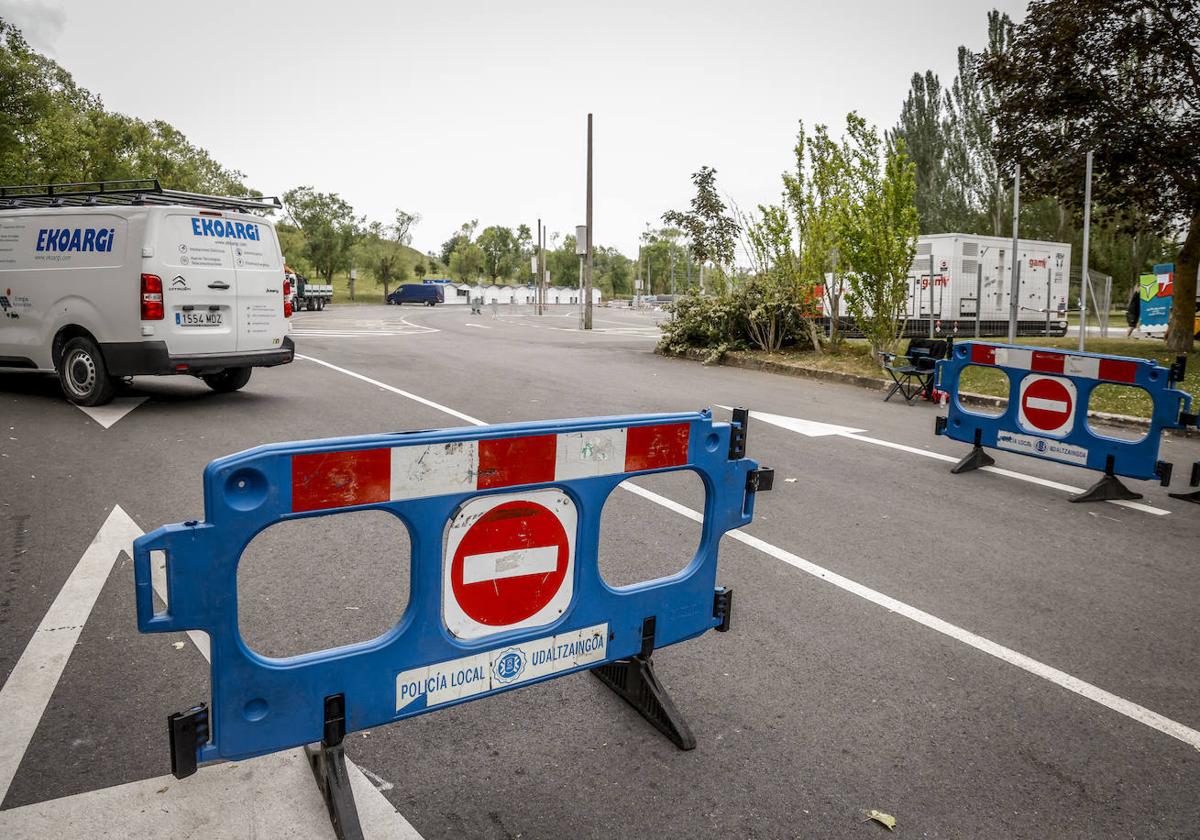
{"type": "Point", "coordinates": [83, 373]}
{"type": "Point", "coordinates": [227, 380]}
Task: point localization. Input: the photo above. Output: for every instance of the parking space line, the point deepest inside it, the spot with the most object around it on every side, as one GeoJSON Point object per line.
{"type": "Point", "coordinates": [1026, 663]}
{"type": "Point", "coordinates": [27, 691]}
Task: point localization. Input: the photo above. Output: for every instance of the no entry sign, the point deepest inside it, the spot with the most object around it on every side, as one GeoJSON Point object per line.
{"type": "Point", "coordinates": [509, 562]}
{"type": "Point", "coordinates": [1047, 405]}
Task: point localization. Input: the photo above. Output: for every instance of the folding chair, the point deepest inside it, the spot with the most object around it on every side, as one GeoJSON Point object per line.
{"type": "Point", "coordinates": [912, 373]}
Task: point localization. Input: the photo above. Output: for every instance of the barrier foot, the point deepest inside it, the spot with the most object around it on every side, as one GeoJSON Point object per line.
{"type": "Point", "coordinates": [1193, 497]}
{"type": "Point", "coordinates": [633, 680]}
{"type": "Point", "coordinates": [973, 460]}
{"type": "Point", "coordinates": [1108, 489]}
{"type": "Point", "coordinates": [328, 763]}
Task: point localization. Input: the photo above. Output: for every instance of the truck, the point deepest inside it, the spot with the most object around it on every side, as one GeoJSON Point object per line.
{"type": "Point", "coordinates": [430, 294]}
{"type": "Point", "coordinates": [106, 280]}
{"type": "Point", "coordinates": [971, 276]}
{"type": "Point", "coordinates": [307, 295]}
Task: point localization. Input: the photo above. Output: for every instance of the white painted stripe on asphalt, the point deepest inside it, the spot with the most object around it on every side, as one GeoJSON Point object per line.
{"type": "Point", "coordinates": [386, 387]}
{"type": "Point", "coordinates": [27, 691]}
{"type": "Point", "coordinates": [1060, 678]}
{"type": "Point", "coordinates": [1047, 672]}
{"type": "Point", "coordinates": [497, 565]}
{"type": "Point", "coordinates": [479, 326]}
{"type": "Point", "coordinates": [107, 415]}
{"type": "Point", "coordinates": [1032, 479]}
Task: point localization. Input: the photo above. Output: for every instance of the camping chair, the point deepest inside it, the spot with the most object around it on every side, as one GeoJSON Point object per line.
{"type": "Point", "coordinates": [912, 373]}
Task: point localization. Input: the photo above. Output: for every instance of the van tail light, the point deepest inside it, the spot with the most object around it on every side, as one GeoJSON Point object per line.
{"type": "Point", "coordinates": [152, 298]}
{"type": "Point", "coordinates": [287, 298]}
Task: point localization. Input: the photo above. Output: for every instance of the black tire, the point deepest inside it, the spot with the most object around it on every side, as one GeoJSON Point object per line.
{"type": "Point", "coordinates": [228, 380]}
{"type": "Point", "coordinates": [83, 373]}
{"type": "Point", "coordinates": [310, 304]}
{"type": "Point", "coordinates": [320, 304]}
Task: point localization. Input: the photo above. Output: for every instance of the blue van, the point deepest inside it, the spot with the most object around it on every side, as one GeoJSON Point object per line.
{"type": "Point", "coordinates": [428, 294]}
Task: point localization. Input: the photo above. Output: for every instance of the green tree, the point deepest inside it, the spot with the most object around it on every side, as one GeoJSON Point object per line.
{"type": "Point", "coordinates": [379, 251]}
{"type": "Point", "coordinates": [419, 269]}
{"type": "Point", "coordinates": [708, 226]}
{"type": "Point", "coordinates": [329, 227]}
{"type": "Point", "coordinates": [879, 232]}
{"type": "Point", "coordinates": [1121, 78]}
{"type": "Point", "coordinates": [500, 252]}
{"type": "Point", "coordinates": [468, 262]}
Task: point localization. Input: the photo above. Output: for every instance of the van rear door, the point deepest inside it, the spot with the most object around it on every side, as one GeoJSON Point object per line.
{"type": "Point", "coordinates": [258, 264]}
{"type": "Point", "coordinates": [199, 283]}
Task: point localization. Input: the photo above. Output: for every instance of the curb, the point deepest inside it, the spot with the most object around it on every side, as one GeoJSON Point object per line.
{"type": "Point", "coordinates": [736, 359]}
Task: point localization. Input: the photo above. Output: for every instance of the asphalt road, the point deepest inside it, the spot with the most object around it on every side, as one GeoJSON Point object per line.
{"type": "Point", "coordinates": [972, 654]}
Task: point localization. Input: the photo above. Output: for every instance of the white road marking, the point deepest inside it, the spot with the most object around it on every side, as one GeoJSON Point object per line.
{"type": "Point", "coordinates": [477, 326]}
{"type": "Point", "coordinates": [107, 415]}
{"type": "Point", "coordinates": [26, 692]}
{"type": "Point", "coordinates": [1039, 669]}
{"type": "Point", "coordinates": [796, 424]}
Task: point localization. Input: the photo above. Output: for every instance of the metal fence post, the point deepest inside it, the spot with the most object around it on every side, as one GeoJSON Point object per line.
{"type": "Point", "coordinates": [978, 295]}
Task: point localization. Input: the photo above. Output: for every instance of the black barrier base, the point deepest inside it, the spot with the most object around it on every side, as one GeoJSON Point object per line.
{"type": "Point", "coordinates": [633, 680]}
{"type": "Point", "coordinates": [328, 763]}
{"type": "Point", "coordinates": [974, 459]}
{"type": "Point", "coordinates": [1193, 497]}
{"type": "Point", "coordinates": [1108, 489]}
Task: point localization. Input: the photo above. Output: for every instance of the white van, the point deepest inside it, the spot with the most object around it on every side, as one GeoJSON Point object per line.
{"type": "Point", "coordinates": [110, 280]}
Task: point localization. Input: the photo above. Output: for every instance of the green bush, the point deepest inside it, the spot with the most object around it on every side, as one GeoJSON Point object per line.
{"type": "Point", "coordinates": [731, 321]}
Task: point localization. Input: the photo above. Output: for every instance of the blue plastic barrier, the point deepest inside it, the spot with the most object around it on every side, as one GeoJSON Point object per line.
{"type": "Point", "coordinates": [1046, 416]}
{"type": "Point", "coordinates": [515, 507]}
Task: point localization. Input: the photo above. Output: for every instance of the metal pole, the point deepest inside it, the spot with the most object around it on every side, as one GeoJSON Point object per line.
{"type": "Point", "coordinates": [931, 290]}
{"type": "Point", "coordinates": [978, 294]}
{"type": "Point", "coordinates": [1107, 306]}
{"type": "Point", "coordinates": [1014, 294]}
{"type": "Point", "coordinates": [587, 306]}
{"type": "Point", "coordinates": [1087, 224]}
{"type": "Point", "coordinates": [537, 288]}
{"type": "Point", "coordinates": [581, 291]}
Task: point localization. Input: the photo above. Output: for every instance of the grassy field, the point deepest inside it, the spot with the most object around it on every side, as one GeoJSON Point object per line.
{"type": "Point", "coordinates": [1113, 399]}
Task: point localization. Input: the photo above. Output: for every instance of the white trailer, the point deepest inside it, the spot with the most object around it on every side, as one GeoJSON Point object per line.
{"type": "Point", "coordinates": [971, 279]}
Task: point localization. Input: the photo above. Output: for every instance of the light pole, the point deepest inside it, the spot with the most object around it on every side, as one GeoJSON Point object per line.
{"type": "Point", "coordinates": [588, 258]}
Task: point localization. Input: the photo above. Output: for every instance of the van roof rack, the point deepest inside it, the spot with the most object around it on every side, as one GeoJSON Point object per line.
{"type": "Point", "coordinates": [138, 191]}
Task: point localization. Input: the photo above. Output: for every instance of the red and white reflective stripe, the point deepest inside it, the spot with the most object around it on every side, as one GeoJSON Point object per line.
{"type": "Point", "coordinates": [341, 479]}
{"type": "Point", "coordinates": [1047, 361]}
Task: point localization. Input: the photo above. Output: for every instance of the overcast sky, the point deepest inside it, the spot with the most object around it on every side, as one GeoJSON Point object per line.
{"type": "Point", "coordinates": [478, 109]}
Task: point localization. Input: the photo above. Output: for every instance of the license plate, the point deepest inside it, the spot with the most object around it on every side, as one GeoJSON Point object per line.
{"type": "Point", "coordinates": [198, 319]}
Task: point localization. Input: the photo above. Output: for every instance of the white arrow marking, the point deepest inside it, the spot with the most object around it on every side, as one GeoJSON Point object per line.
{"type": "Point", "coordinates": [107, 415]}
{"type": "Point", "coordinates": [27, 691]}
{"type": "Point", "coordinates": [796, 424]}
